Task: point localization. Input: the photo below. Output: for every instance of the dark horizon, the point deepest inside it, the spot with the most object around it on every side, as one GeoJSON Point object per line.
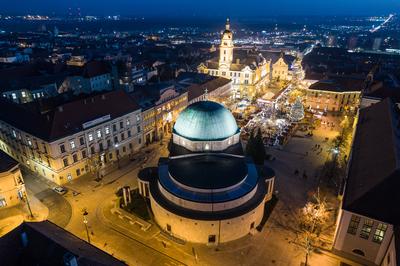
{"type": "Point", "coordinates": [204, 9]}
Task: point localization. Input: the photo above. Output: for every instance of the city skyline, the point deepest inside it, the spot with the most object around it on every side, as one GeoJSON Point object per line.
{"type": "Point", "coordinates": [179, 8]}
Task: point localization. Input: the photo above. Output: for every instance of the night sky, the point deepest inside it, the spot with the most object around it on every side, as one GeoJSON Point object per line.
{"type": "Point", "coordinates": [175, 8]}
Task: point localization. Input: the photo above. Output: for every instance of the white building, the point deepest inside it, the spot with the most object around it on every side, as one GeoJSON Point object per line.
{"type": "Point", "coordinates": [69, 140]}
{"type": "Point", "coordinates": [368, 225]}
{"type": "Point", "coordinates": [207, 191]}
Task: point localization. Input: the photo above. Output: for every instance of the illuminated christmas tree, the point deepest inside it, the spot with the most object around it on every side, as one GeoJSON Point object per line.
{"type": "Point", "coordinates": [297, 111]}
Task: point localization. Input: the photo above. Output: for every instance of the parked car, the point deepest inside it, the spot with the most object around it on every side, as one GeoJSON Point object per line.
{"type": "Point", "coordinates": [60, 190]}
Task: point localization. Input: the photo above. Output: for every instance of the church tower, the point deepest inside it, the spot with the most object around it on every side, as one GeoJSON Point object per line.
{"type": "Point", "coordinates": [226, 47]}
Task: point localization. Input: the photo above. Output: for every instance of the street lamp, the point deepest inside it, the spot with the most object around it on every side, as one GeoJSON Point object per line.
{"type": "Point", "coordinates": [28, 204]}
{"type": "Point", "coordinates": [85, 222]}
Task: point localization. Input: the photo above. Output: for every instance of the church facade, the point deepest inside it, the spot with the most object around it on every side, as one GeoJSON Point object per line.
{"type": "Point", "coordinates": [249, 70]}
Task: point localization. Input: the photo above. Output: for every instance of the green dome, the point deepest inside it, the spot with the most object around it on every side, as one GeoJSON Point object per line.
{"type": "Point", "coordinates": [206, 120]}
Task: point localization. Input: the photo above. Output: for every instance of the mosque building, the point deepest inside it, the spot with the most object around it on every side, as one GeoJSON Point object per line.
{"type": "Point", "coordinates": [207, 191]}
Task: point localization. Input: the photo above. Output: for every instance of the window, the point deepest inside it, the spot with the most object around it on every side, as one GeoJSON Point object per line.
{"type": "Point", "coordinates": [92, 151]}
{"type": "Point", "coordinates": [379, 233]}
{"type": "Point", "coordinates": [81, 141]}
{"type": "Point", "coordinates": [65, 161]}
{"type": "Point", "coordinates": [14, 96]}
{"type": "Point", "coordinates": [107, 130]}
{"type": "Point", "coordinates": [78, 172]}
{"type": "Point", "coordinates": [75, 158]}
{"type": "Point", "coordinates": [128, 122]}
{"type": "Point", "coordinates": [72, 144]}
{"type": "Point", "coordinates": [129, 134]}
{"type": "Point", "coordinates": [137, 118]}
{"type": "Point", "coordinates": [353, 226]}
{"type": "Point", "coordinates": [108, 142]}
{"type": "Point", "coordinates": [30, 142]}
{"type": "Point", "coordinates": [138, 129]}
{"type": "Point", "coordinates": [114, 127]}
{"type": "Point", "coordinates": [90, 136]}
{"type": "Point", "coordinates": [121, 124]}
{"type": "Point", "coordinates": [62, 147]}
{"type": "Point", "coordinates": [23, 94]}
{"type": "Point", "coordinates": [98, 133]}
{"type": "Point", "coordinates": [169, 229]}
{"type": "Point", "coordinates": [212, 238]}
{"type": "Point", "coordinates": [366, 229]}
{"type": "Point", "coordinates": [122, 136]}
{"type": "Point", "coordinates": [115, 139]}
{"type": "Point", "coordinates": [84, 154]}
{"type": "Point", "coordinates": [101, 147]}
{"type": "Point", "coordinates": [14, 134]}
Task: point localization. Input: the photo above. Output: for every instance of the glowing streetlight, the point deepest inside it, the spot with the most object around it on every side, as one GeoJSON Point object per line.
{"type": "Point", "coordinates": [85, 222]}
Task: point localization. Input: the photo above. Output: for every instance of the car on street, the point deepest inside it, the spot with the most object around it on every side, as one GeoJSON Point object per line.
{"type": "Point", "coordinates": [60, 190]}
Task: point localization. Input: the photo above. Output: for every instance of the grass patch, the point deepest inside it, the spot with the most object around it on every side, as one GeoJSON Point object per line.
{"type": "Point", "coordinates": [269, 207]}
{"type": "Point", "coordinates": [137, 206]}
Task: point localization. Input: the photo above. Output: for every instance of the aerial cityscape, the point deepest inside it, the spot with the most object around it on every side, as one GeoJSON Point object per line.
{"type": "Point", "coordinates": [200, 133]}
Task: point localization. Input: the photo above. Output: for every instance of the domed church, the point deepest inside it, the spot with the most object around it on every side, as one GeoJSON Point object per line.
{"type": "Point", "coordinates": [207, 191]}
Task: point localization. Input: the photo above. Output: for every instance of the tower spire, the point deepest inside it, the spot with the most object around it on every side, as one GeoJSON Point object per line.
{"type": "Point", "coordinates": [228, 24]}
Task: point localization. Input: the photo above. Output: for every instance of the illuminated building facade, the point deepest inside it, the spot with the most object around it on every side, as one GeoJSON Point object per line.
{"type": "Point", "coordinates": [248, 70]}
{"type": "Point", "coordinates": [12, 188]}
{"type": "Point", "coordinates": [72, 139]}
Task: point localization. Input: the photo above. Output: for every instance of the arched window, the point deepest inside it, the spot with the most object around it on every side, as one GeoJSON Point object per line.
{"type": "Point", "coordinates": [359, 252]}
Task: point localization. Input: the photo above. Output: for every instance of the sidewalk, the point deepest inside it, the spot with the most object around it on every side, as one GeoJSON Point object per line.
{"type": "Point", "coordinates": [12, 217]}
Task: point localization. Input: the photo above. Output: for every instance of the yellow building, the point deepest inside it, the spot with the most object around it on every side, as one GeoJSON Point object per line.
{"type": "Point", "coordinates": [280, 70]}
{"type": "Point", "coordinates": [12, 188]}
{"type": "Point", "coordinates": [248, 69]}
{"type": "Point", "coordinates": [74, 138]}
{"type": "Point", "coordinates": [334, 95]}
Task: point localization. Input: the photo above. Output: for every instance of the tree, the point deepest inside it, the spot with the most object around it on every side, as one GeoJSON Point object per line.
{"type": "Point", "coordinates": [313, 216]}
{"type": "Point", "coordinates": [297, 111]}
{"type": "Point", "coordinates": [255, 148]}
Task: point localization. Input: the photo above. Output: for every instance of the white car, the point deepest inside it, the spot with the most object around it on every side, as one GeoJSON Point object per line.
{"type": "Point", "coordinates": [60, 190]}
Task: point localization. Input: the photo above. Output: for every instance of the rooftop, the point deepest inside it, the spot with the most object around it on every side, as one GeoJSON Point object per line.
{"type": "Point", "coordinates": [208, 171]}
{"type": "Point", "coordinates": [68, 118]}
{"type": "Point", "coordinates": [374, 174]}
{"type": "Point", "coordinates": [206, 120]}
{"type": "Point", "coordinates": [6, 162]}
{"type": "Point", "coordinates": [48, 244]}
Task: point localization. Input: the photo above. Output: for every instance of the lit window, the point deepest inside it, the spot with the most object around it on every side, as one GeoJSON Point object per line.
{"type": "Point", "coordinates": [128, 122]}
{"type": "Point", "coordinates": [107, 130]}
{"type": "Point", "coordinates": [137, 118]}
{"type": "Point", "coordinates": [72, 144]}
{"type": "Point", "coordinates": [366, 229]}
{"type": "Point", "coordinates": [90, 136]}
{"type": "Point", "coordinates": [29, 142]}
{"type": "Point", "coordinates": [353, 226]}
{"type": "Point", "coordinates": [14, 96]}
{"type": "Point", "coordinates": [379, 233]}
{"type": "Point", "coordinates": [98, 133]}
{"type": "Point", "coordinates": [14, 134]}
{"type": "Point", "coordinates": [23, 94]}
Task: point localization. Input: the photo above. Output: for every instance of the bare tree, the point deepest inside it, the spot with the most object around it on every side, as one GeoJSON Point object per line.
{"type": "Point", "coordinates": [312, 218]}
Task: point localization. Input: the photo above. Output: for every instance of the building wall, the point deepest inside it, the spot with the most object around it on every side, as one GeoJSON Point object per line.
{"type": "Point", "coordinates": [75, 159]}
{"type": "Point", "coordinates": [280, 70]}
{"type": "Point", "coordinates": [12, 188]}
{"type": "Point", "coordinates": [199, 231]}
{"type": "Point", "coordinates": [197, 146]}
{"type": "Point", "coordinates": [346, 242]}
{"type": "Point", "coordinates": [101, 83]}
{"type": "Point", "coordinates": [390, 258]}
{"type": "Point", "coordinates": [331, 101]}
